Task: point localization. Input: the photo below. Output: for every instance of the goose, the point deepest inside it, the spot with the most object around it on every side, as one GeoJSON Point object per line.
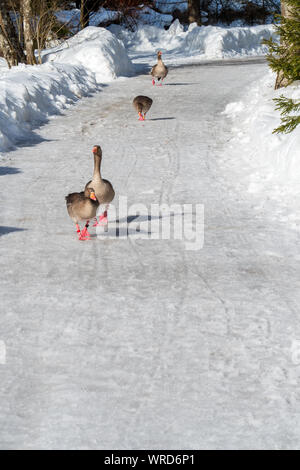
{"type": "Point", "coordinates": [103, 188]}
{"type": "Point", "coordinates": [159, 71]}
{"type": "Point", "coordinates": [82, 208]}
{"type": "Point", "coordinates": [142, 104]}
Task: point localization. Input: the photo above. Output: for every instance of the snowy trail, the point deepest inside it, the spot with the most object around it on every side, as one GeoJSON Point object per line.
{"type": "Point", "coordinates": [140, 343]}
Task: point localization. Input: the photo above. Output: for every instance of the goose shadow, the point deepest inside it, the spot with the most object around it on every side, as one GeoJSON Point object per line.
{"type": "Point", "coordinates": [161, 119]}
{"type": "Point", "coordinates": [31, 140]}
{"type": "Point", "coordinates": [127, 231]}
{"type": "Point", "coordinates": [5, 230]}
{"type": "Point", "coordinates": [121, 232]}
{"type": "Point", "coordinates": [142, 218]}
{"type": "Point", "coordinates": [179, 84]}
{"type": "Point", "coordinates": [6, 170]}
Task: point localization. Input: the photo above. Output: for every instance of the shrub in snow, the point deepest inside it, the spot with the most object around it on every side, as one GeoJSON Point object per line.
{"type": "Point", "coordinates": [72, 17]}
{"type": "Point", "coordinates": [290, 114]}
{"type": "Point", "coordinates": [284, 58]}
{"type": "Point", "coordinates": [148, 16]}
{"type": "Point", "coordinates": [168, 6]}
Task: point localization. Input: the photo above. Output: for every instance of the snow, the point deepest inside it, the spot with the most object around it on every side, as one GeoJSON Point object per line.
{"type": "Point", "coordinates": [94, 56]}
{"type": "Point", "coordinates": [168, 6]}
{"type": "Point", "coordinates": [151, 17]}
{"type": "Point", "coordinates": [72, 17]}
{"type": "Point", "coordinates": [76, 68]}
{"type": "Point", "coordinates": [96, 49]}
{"type": "Point", "coordinates": [144, 15]}
{"type": "Point", "coordinates": [254, 119]}
{"type": "Point", "coordinates": [162, 16]}
{"type": "Point", "coordinates": [140, 344]}
{"type": "Point", "coordinates": [195, 44]}
{"type": "Point", "coordinates": [273, 159]}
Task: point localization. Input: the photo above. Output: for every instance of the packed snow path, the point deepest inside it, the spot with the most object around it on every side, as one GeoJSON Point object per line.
{"type": "Point", "coordinates": [141, 344]}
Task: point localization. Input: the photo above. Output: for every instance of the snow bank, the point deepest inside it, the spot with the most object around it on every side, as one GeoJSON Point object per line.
{"type": "Point", "coordinates": [195, 43]}
{"type": "Point", "coordinates": [216, 42]}
{"type": "Point", "coordinates": [95, 49]}
{"type": "Point", "coordinates": [275, 159]}
{"type": "Point", "coordinates": [30, 94]}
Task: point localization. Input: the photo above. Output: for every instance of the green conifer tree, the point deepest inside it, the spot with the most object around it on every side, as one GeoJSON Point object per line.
{"type": "Point", "coordinates": [284, 58]}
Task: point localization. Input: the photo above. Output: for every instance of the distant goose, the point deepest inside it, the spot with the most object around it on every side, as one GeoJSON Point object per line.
{"type": "Point", "coordinates": [82, 208]}
{"type": "Point", "coordinates": [142, 104]}
{"type": "Point", "coordinates": [103, 188]}
{"type": "Point", "coordinates": [159, 71]}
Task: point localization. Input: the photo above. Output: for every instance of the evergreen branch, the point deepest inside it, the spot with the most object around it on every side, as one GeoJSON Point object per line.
{"type": "Point", "coordinates": [289, 123]}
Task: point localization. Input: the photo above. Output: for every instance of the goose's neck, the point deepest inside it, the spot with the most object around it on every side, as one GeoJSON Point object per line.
{"type": "Point", "coordinates": [97, 168]}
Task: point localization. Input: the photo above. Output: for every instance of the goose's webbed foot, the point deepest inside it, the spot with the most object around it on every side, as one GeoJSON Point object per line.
{"type": "Point", "coordinates": [85, 235]}
{"type": "Point", "coordinates": [103, 221]}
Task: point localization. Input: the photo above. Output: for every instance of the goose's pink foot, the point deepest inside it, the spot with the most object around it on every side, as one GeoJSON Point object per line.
{"type": "Point", "coordinates": [141, 118]}
{"type": "Point", "coordinates": [102, 220]}
{"type": "Point", "coordinates": [153, 81]}
{"type": "Point", "coordinates": [79, 233]}
{"type": "Point", "coordinates": [85, 235]}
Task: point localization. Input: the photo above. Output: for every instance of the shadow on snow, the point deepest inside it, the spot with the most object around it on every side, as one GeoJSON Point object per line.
{"type": "Point", "coordinates": [6, 170]}
{"type": "Point", "coordinates": [5, 230]}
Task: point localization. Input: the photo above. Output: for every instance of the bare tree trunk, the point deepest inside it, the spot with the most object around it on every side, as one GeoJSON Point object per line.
{"type": "Point", "coordinates": [9, 41]}
{"type": "Point", "coordinates": [281, 80]}
{"type": "Point", "coordinates": [194, 11]}
{"type": "Point", "coordinates": [27, 31]}
{"type": "Point", "coordinates": [84, 14]}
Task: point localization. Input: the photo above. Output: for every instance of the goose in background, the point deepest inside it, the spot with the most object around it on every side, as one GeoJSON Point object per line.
{"type": "Point", "coordinates": [159, 71]}
{"type": "Point", "coordinates": [142, 104]}
{"type": "Point", "coordinates": [80, 208]}
{"type": "Point", "coordinates": [103, 188]}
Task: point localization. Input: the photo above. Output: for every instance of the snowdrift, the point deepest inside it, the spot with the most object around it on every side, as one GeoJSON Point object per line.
{"type": "Point", "coordinates": [275, 159]}
{"type": "Point", "coordinates": [95, 49]}
{"type": "Point", "coordinates": [29, 95]}
{"type": "Point", "coordinates": [182, 45]}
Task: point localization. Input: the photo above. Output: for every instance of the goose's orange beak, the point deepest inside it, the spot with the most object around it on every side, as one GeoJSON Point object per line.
{"type": "Point", "coordinates": [93, 197]}
{"type": "Point", "coordinates": [95, 150]}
